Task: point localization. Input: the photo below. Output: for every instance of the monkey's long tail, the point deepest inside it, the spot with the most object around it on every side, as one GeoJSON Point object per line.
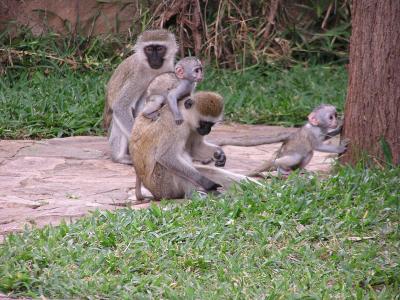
{"type": "Point", "coordinates": [268, 165]}
{"type": "Point", "coordinates": [254, 141]}
{"type": "Point", "coordinates": [107, 113]}
{"type": "Point", "coordinates": [223, 177]}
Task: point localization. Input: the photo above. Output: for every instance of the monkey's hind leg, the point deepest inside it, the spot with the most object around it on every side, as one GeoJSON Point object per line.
{"type": "Point", "coordinates": [287, 163]}
{"type": "Point", "coordinates": [118, 141]}
{"type": "Point", "coordinates": [119, 150]}
{"type": "Point", "coordinates": [138, 189]}
{"type": "Point", "coordinates": [150, 111]}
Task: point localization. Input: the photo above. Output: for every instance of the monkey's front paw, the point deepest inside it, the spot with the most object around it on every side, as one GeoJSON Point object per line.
{"type": "Point", "coordinates": [220, 157]}
{"type": "Point", "coordinates": [214, 192]}
{"type": "Point", "coordinates": [206, 161]}
{"type": "Point", "coordinates": [209, 185]}
{"type": "Point", "coordinates": [203, 195]}
{"type": "Point", "coordinates": [345, 142]}
{"type": "Point", "coordinates": [214, 187]}
{"type": "Point", "coordinates": [155, 117]}
{"type": "Point", "coordinates": [178, 121]}
{"type": "Point", "coordinates": [152, 116]}
{"type": "Point", "coordinates": [343, 145]}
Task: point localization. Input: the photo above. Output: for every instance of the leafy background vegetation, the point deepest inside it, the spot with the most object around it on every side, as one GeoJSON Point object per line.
{"type": "Point", "coordinates": [305, 237]}
{"type": "Point", "coordinates": [63, 102]}
{"type": "Point", "coordinates": [53, 85]}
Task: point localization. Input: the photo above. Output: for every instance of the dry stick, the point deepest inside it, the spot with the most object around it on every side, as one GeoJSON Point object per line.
{"type": "Point", "coordinates": [181, 20]}
{"type": "Point", "coordinates": [205, 29]}
{"type": "Point", "coordinates": [19, 52]}
{"type": "Point", "coordinates": [328, 12]}
{"type": "Point", "coordinates": [216, 29]}
{"type": "Point", "coordinates": [181, 37]}
{"type": "Point", "coordinates": [177, 8]}
{"type": "Point", "coordinates": [195, 27]}
{"type": "Point", "coordinates": [158, 12]}
{"type": "Point", "coordinates": [168, 11]}
{"type": "Point", "coordinates": [271, 21]}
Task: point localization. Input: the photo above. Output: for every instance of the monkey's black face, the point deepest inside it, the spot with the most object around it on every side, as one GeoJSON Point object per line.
{"type": "Point", "coordinates": [155, 55]}
{"type": "Point", "coordinates": [204, 127]}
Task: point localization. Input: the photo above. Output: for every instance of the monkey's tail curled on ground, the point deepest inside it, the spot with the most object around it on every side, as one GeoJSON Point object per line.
{"type": "Point", "coordinates": [107, 115]}
{"type": "Point", "coordinates": [254, 141]}
{"type": "Point", "coordinates": [267, 166]}
{"type": "Point", "coordinates": [223, 177]}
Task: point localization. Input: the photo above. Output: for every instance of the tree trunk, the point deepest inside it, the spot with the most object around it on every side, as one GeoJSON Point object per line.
{"type": "Point", "coordinates": [372, 111]}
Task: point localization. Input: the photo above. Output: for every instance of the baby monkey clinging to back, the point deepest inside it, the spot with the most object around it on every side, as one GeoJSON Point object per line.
{"type": "Point", "coordinates": [170, 88]}
{"type": "Point", "coordinates": [298, 149]}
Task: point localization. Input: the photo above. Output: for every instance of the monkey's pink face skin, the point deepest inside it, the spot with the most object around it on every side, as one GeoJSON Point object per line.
{"type": "Point", "coordinates": [193, 74]}
{"type": "Point", "coordinates": [324, 117]}
{"type": "Point", "coordinates": [333, 123]}
{"type": "Point", "coordinates": [197, 74]}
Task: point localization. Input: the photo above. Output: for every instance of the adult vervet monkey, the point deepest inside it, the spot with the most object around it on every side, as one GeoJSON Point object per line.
{"type": "Point", "coordinates": [163, 152]}
{"type": "Point", "coordinates": [155, 52]}
{"type": "Point", "coordinates": [298, 149]}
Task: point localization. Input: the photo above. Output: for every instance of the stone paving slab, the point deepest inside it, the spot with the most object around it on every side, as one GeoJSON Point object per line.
{"type": "Point", "coordinates": [44, 182]}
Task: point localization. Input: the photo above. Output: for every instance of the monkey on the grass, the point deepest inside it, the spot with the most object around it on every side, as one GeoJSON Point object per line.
{"type": "Point", "coordinates": [163, 152]}
{"type": "Point", "coordinates": [155, 52]}
{"type": "Point", "coordinates": [171, 87]}
{"type": "Point", "coordinates": [298, 149]}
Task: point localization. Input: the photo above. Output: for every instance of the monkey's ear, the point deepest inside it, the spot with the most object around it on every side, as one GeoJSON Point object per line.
{"type": "Point", "coordinates": [179, 72]}
{"type": "Point", "coordinates": [312, 118]}
{"type": "Point", "coordinates": [188, 103]}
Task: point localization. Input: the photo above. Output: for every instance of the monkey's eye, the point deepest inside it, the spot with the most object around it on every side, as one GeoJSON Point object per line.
{"type": "Point", "coordinates": [148, 49]}
{"type": "Point", "coordinates": [197, 70]}
{"type": "Point", "coordinates": [330, 117]}
{"type": "Point", "coordinates": [160, 49]}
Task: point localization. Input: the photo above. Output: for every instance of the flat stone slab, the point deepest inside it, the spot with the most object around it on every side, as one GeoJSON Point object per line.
{"type": "Point", "coordinates": [46, 181]}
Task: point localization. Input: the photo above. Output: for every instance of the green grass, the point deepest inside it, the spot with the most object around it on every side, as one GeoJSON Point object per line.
{"type": "Point", "coordinates": [55, 102]}
{"type": "Point", "coordinates": [278, 96]}
{"type": "Point", "coordinates": [301, 238]}
{"type": "Point", "coordinates": [35, 105]}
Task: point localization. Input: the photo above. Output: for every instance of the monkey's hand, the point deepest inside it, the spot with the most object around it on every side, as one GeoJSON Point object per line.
{"type": "Point", "coordinates": [206, 161]}
{"type": "Point", "coordinates": [334, 132]}
{"type": "Point", "coordinates": [343, 145]}
{"type": "Point", "coordinates": [214, 187]}
{"type": "Point", "coordinates": [220, 158]}
{"type": "Point", "coordinates": [209, 185]}
{"type": "Point", "coordinates": [152, 116]}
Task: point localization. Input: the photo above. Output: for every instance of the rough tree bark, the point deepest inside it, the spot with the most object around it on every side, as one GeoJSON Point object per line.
{"type": "Point", "coordinates": [372, 110]}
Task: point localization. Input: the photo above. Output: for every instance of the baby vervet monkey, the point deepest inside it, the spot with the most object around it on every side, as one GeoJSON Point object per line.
{"type": "Point", "coordinates": [298, 149]}
{"type": "Point", "coordinates": [188, 72]}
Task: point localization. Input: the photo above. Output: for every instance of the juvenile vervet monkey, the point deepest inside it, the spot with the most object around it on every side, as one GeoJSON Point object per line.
{"type": "Point", "coordinates": [155, 52]}
{"type": "Point", "coordinates": [163, 152]}
{"type": "Point", "coordinates": [170, 88]}
{"type": "Point", "coordinates": [298, 149]}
